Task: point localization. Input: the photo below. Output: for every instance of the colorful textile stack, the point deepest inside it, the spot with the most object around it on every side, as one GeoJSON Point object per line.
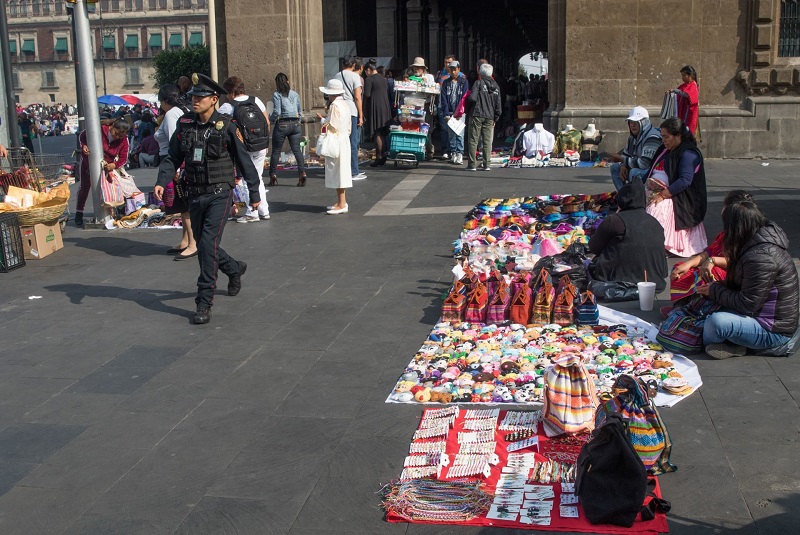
{"type": "Point", "coordinates": [513, 234]}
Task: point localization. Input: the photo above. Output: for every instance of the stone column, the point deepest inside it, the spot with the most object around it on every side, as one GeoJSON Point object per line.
{"type": "Point", "coordinates": [424, 30]}
{"type": "Point", "coordinates": [469, 56]}
{"type": "Point", "coordinates": [414, 17]}
{"type": "Point", "coordinates": [433, 38]}
{"type": "Point", "coordinates": [385, 10]}
{"type": "Point", "coordinates": [294, 47]}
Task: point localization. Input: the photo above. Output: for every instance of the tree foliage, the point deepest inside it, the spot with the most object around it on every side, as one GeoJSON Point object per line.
{"type": "Point", "coordinates": [172, 64]}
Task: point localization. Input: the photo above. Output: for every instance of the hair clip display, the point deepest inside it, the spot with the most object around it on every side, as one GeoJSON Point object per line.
{"type": "Point", "coordinates": [437, 430]}
{"type": "Point", "coordinates": [428, 447]}
{"type": "Point", "coordinates": [418, 472]}
{"type": "Point", "coordinates": [449, 413]}
{"type": "Point", "coordinates": [480, 425]}
{"type": "Point", "coordinates": [431, 459]}
{"type": "Point", "coordinates": [476, 436]}
{"type": "Point", "coordinates": [475, 414]}
{"type": "Point", "coordinates": [521, 420]}
{"type": "Point", "coordinates": [477, 447]}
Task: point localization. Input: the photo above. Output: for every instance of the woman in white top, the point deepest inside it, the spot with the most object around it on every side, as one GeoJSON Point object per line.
{"type": "Point", "coordinates": [337, 170]}
{"type": "Point", "coordinates": [169, 96]}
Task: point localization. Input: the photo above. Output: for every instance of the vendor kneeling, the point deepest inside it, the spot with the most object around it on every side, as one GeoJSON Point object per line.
{"type": "Point", "coordinates": [629, 243]}
{"type": "Point", "coordinates": [760, 293]}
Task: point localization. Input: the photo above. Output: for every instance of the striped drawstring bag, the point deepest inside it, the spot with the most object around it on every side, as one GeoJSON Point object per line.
{"type": "Point", "coordinates": [570, 398]}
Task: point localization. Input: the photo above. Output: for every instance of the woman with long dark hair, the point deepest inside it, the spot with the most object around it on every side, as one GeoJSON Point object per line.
{"type": "Point", "coordinates": [759, 295]}
{"type": "Point", "coordinates": [172, 109]}
{"type": "Point", "coordinates": [286, 114]}
{"type": "Point", "coordinates": [377, 110]}
{"type": "Point", "coordinates": [677, 187]}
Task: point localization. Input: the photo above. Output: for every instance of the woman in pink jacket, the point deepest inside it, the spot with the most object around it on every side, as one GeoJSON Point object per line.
{"type": "Point", "coordinates": [115, 155]}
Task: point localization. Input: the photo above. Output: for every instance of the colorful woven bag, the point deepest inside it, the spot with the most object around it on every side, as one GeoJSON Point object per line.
{"type": "Point", "coordinates": [646, 429]}
{"type": "Point", "coordinates": [499, 303]}
{"type": "Point", "coordinates": [569, 397]}
{"type": "Point", "coordinates": [682, 331]}
{"type": "Point", "coordinates": [477, 304]}
{"type": "Point", "coordinates": [685, 285]}
{"type": "Point", "coordinates": [543, 304]}
{"type": "Point", "coordinates": [520, 309]}
{"type": "Point", "coordinates": [111, 191]}
{"type": "Point", "coordinates": [586, 313]}
{"type": "Point", "coordinates": [454, 305]}
{"type": "Point", "coordinates": [564, 306]}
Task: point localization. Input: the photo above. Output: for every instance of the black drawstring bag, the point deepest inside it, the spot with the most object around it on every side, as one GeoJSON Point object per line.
{"type": "Point", "coordinates": [611, 482]}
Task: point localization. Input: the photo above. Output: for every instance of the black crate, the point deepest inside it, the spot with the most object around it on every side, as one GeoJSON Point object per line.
{"type": "Point", "coordinates": [12, 256]}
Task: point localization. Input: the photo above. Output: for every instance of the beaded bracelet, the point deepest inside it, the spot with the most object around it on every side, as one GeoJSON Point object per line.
{"type": "Point", "coordinates": [435, 501]}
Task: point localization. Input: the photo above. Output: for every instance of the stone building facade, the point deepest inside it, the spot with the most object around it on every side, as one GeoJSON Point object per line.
{"type": "Point", "coordinates": [130, 34]}
{"type": "Point", "coordinates": [606, 56]}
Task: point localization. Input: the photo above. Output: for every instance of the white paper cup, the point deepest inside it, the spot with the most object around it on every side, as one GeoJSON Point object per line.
{"type": "Point", "coordinates": [647, 294]}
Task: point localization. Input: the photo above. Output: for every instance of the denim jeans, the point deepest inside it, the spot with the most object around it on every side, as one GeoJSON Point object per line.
{"type": "Point", "coordinates": [480, 128]}
{"type": "Point", "coordinates": [280, 132]}
{"type": "Point", "coordinates": [617, 180]}
{"type": "Point", "coordinates": [456, 145]}
{"type": "Point", "coordinates": [354, 147]}
{"type": "Point", "coordinates": [445, 134]}
{"type": "Point", "coordinates": [740, 330]}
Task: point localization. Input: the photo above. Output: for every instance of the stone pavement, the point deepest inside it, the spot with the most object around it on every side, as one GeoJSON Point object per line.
{"type": "Point", "coordinates": [118, 416]}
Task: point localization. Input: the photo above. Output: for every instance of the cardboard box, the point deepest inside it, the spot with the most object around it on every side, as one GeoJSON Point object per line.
{"type": "Point", "coordinates": [41, 240]}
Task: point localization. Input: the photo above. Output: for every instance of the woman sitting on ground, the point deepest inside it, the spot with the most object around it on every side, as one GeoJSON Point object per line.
{"type": "Point", "coordinates": [759, 295]}
{"type": "Point", "coordinates": [629, 244]}
{"type": "Point", "coordinates": [678, 190]}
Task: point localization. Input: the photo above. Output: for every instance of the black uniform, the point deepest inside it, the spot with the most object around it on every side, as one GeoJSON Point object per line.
{"type": "Point", "coordinates": [210, 151]}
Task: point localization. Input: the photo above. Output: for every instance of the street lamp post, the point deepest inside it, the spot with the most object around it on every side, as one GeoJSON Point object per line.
{"type": "Point", "coordinates": [102, 47]}
{"type": "Point", "coordinates": [11, 104]}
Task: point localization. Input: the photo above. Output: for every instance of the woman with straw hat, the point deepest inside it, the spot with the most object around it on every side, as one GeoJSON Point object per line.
{"type": "Point", "coordinates": [337, 170]}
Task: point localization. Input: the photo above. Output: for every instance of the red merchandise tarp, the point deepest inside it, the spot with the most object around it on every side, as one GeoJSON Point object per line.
{"type": "Point", "coordinates": [557, 523]}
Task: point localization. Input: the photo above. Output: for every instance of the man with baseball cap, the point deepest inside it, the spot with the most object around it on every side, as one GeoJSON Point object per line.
{"type": "Point", "coordinates": [208, 144]}
{"type": "Point", "coordinates": [634, 160]}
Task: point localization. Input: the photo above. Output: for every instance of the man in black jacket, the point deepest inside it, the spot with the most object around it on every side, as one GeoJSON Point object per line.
{"type": "Point", "coordinates": [484, 99]}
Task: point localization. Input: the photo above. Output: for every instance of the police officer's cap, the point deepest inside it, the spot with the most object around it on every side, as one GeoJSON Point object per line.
{"type": "Point", "coordinates": [203, 86]}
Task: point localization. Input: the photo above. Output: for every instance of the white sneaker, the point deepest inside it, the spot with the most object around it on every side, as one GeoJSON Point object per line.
{"type": "Point", "coordinates": [360, 176]}
{"type": "Point", "coordinates": [264, 217]}
{"type": "Point", "coordinates": [331, 206]}
{"type": "Point", "coordinates": [445, 156]}
{"type": "Point", "coordinates": [459, 159]}
{"type": "Point", "coordinates": [247, 219]}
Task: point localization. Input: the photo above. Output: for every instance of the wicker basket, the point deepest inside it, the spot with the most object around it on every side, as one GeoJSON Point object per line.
{"type": "Point", "coordinates": [40, 214]}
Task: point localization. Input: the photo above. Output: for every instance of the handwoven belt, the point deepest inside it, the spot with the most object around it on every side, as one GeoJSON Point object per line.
{"type": "Point", "coordinates": [210, 189]}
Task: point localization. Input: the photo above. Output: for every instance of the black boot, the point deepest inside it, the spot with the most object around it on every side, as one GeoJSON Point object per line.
{"type": "Point", "coordinates": [235, 282]}
{"type": "Point", "coordinates": [202, 316]}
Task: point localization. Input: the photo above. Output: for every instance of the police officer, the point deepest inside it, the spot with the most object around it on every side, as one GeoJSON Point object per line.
{"type": "Point", "coordinates": [207, 143]}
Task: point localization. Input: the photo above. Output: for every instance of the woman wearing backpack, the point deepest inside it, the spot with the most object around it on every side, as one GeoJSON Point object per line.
{"type": "Point", "coordinates": [286, 115]}
{"type": "Point", "coordinates": [759, 295]}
